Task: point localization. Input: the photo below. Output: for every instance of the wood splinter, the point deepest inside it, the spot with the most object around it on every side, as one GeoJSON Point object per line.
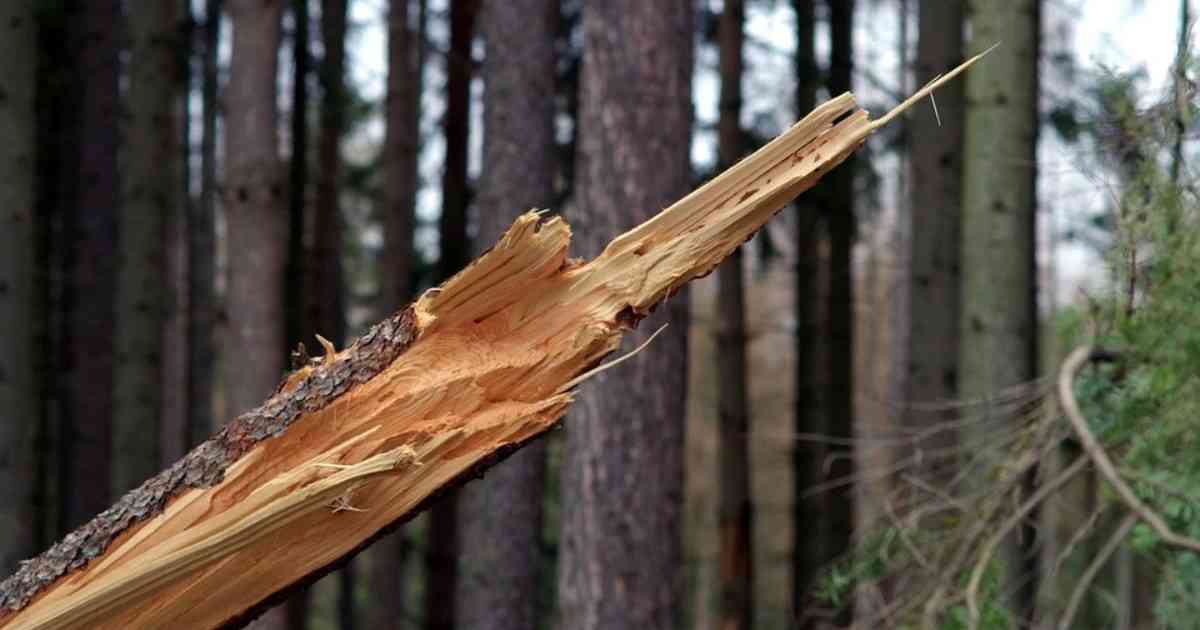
{"type": "Point", "coordinates": [424, 401]}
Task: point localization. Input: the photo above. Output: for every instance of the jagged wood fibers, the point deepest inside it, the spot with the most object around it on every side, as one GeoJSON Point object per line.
{"type": "Point", "coordinates": [361, 440]}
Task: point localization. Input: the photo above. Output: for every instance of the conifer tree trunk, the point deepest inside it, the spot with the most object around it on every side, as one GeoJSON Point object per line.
{"type": "Point", "coordinates": [152, 163]}
{"type": "Point", "coordinates": [91, 233]}
{"type": "Point", "coordinates": [735, 506]}
{"type": "Point", "coordinates": [441, 557]}
{"type": "Point", "coordinates": [838, 522]}
{"type": "Point", "coordinates": [811, 276]}
{"type": "Point", "coordinates": [501, 515]}
{"type": "Point", "coordinates": [934, 218]}
{"type": "Point", "coordinates": [325, 302]}
{"type": "Point", "coordinates": [173, 401]}
{"type": "Point", "coordinates": [299, 329]}
{"type": "Point", "coordinates": [999, 343]}
{"type": "Point", "coordinates": [255, 215]}
{"type": "Point", "coordinates": [389, 557]}
{"type": "Point", "coordinates": [620, 563]}
{"type": "Point", "coordinates": [202, 241]}
{"type": "Point", "coordinates": [19, 405]}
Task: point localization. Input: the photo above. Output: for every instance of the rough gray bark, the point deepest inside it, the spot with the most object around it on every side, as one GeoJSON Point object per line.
{"type": "Point", "coordinates": [91, 231]}
{"type": "Point", "coordinates": [810, 269]}
{"type": "Point", "coordinates": [441, 555]}
{"type": "Point", "coordinates": [255, 214]}
{"type": "Point", "coordinates": [999, 343]}
{"type": "Point", "coordinates": [151, 163]}
{"type": "Point", "coordinates": [501, 516]}
{"type": "Point", "coordinates": [935, 172]}
{"type": "Point", "coordinates": [19, 405]}
{"type": "Point", "coordinates": [622, 483]}
{"type": "Point", "coordinates": [735, 509]}
{"type": "Point", "coordinates": [253, 202]}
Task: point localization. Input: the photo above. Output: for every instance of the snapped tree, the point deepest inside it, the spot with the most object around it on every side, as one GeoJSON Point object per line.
{"type": "Point", "coordinates": [361, 440]}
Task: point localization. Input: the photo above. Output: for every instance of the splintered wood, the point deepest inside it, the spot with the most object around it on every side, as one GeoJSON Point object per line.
{"type": "Point", "coordinates": [360, 441]}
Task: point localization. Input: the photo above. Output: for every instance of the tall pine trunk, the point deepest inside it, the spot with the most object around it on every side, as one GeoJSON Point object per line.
{"type": "Point", "coordinates": [90, 258]}
{"type": "Point", "coordinates": [935, 172]}
{"type": "Point", "coordinates": [836, 324]}
{"type": "Point", "coordinates": [501, 515]}
{"type": "Point", "coordinates": [999, 328]}
{"type": "Point", "coordinates": [174, 406]}
{"type": "Point", "coordinates": [441, 557]}
{"type": "Point", "coordinates": [811, 269]}
{"type": "Point", "coordinates": [389, 557]}
{"type": "Point", "coordinates": [620, 562]}
{"type": "Point", "coordinates": [324, 295]}
{"type": "Point", "coordinates": [255, 215]}
{"type": "Point", "coordinates": [152, 163]}
{"type": "Point", "coordinates": [202, 242]}
{"type": "Point", "coordinates": [20, 408]}
{"type": "Point", "coordinates": [736, 509]}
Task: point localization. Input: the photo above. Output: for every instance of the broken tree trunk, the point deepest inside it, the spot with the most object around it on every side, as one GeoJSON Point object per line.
{"type": "Point", "coordinates": [360, 441]}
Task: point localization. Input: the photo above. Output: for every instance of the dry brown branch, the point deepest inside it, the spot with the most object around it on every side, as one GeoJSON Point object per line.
{"type": "Point", "coordinates": [1066, 394]}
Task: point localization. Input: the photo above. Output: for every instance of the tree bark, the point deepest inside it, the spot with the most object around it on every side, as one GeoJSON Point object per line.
{"type": "Point", "coordinates": [441, 556]}
{"type": "Point", "coordinates": [501, 516]}
{"type": "Point", "coordinates": [811, 277]}
{"type": "Point", "coordinates": [255, 215]}
{"type": "Point", "coordinates": [736, 508]}
{"type": "Point", "coordinates": [300, 328]}
{"type": "Point", "coordinates": [935, 172]}
{"type": "Point", "coordinates": [837, 521]}
{"type": "Point", "coordinates": [624, 449]}
{"type": "Point", "coordinates": [401, 149]}
{"type": "Point", "coordinates": [358, 441]}
{"type": "Point", "coordinates": [174, 430]}
{"type": "Point", "coordinates": [999, 343]}
{"type": "Point", "coordinates": [19, 400]}
{"type": "Point", "coordinates": [253, 195]}
{"type": "Point", "coordinates": [152, 164]}
{"type": "Point", "coordinates": [202, 241]}
{"type": "Point", "coordinates": [91, 231]}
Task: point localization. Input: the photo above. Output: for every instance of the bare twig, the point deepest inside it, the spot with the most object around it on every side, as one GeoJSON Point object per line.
{"type": "Point", "coordinates": [1066, 394]}
{"type": "Point", "coordinates": [1089, 575]}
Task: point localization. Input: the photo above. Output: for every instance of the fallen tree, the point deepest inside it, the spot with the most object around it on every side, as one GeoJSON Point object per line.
{"type": "Point", "coordinates": [356, 443]}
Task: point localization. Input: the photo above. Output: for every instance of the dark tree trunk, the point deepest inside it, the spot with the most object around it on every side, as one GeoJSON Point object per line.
{"type": "Point", "coordinates": [807, 511]}
{"type": "Point", "coordinates": [441, 558]}
{"type": "Point", "coordinates": [201, 243]}
{"type": "Point", "coordinates": [91, 244]}
{"type": "Point", "coordinates": [934, 219]}
{"type": "Point", "coordinates": [736, 510]}
{"type": "Point", "coordinates": [501, 523]}
{"type": "Point", "coordinates": [389, 558]}
{"type": "Point", "coordinates": [400, 151]}
{"type": "Point", "coordinates": [152, 162]}
{"type": "Point", "coordinates": [621, 565]}
{"type": "Point", "coordinates": [299, 330]}
{"type": "Point", "coordinates": [20, 411]}
{"type": "Point", "coordinates": [174, 430]}
{"type": "Point", "coordinates": [838, 324]}
{"type": "Point", "coordinates": [324, 295]}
